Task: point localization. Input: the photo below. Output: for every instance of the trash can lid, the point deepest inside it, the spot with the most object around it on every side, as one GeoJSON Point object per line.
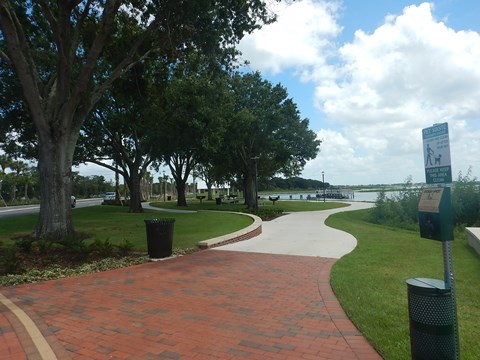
{"type": "Point", "coordinates": [160, 221]}
{"type": "Point", "coordinates": [428, 285]}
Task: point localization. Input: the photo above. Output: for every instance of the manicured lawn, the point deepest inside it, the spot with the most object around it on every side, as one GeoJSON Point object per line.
{"type": "Point", "coordinates": [370, 283]}
{"type": "Point", "coordinates": [117, 225]}
{"type": "Point", "coordinates": [285, 205]}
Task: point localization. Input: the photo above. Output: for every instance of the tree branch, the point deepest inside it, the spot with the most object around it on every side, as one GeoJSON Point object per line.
{"type": "Point", "coordinates": [107, 166]}
{"type": "Point", "coordinates": [108, 17]}
{"type": "Point", "coordinates": [5, 57]}
{"type": "Point", "coordinates": [50, 18]}
{"type": "Point", "coordinates": [25, 67]}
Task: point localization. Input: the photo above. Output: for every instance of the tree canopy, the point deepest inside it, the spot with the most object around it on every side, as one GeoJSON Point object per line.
{"type": "Point", "coordinates": [265, 134]}
{"type": "Point", "coordinates": [66, 54]}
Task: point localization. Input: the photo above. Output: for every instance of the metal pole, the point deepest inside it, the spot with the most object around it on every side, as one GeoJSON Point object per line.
{"type": "Point", "coordinates": [323, 182]}
{"type": "Point", "coordinates": [164, 187]}
{"type": "Point", "coordinates": [255, 158]}
{"type": "Point", "coordinates": [256, 184]}
{"type": "Point", "coordinates": [450, 283]}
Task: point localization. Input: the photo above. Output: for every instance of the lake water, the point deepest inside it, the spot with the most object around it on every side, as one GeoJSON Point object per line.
{"type": "Point", "coordinates": [354, 196]}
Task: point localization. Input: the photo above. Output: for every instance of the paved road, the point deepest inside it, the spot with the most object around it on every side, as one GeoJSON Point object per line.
{"type": "Point", "coordinates": [22, 210]}
{"type": "Point", "coordinates": [301, 233]}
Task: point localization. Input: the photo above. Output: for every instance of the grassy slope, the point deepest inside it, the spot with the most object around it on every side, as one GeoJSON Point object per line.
{"type": "Point", "coordinates": [370, 283]}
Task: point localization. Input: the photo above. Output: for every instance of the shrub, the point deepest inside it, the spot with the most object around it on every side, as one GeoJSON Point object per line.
{"type": "Point", "coordinates": [266, 213]}
{"type": "Point", "coordinates": [44, 245]}
{"type": "Point", "coordinates": [25, 245]}
{"type": "Point", "coordinates": [466, 200]}
{"type": "Point", "coordinates": [400, 210]}
{"type": "Point", "coordinates": [10, 261]}
{"type": "Point", "coordinates": [102, 248]}
{"type": "Point", "coordinates": [125, 248]}
{"type": "Point", "coordinates": [76, 246]}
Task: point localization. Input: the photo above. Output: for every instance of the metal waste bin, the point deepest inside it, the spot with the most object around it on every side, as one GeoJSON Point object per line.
{"type": "Point", "coordinates": [160, 237]}
{"type": "Point", "coordinates": [430, 309]}
{"type": "Point", "coordinates": [218, 201]}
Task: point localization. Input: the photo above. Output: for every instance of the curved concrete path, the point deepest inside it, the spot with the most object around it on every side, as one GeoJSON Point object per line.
{"type": "Point", "coordinates": [213, 304]}
{"type": "Point", "coordinates": [302, 233]}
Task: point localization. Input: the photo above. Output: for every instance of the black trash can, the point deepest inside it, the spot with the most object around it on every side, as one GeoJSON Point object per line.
{"type": "Point", "coordinates": [218, 201]}
{"type": "Point", "coordinates": [430, 309]}
{"type": "Point", "coordinates": [159, 237]}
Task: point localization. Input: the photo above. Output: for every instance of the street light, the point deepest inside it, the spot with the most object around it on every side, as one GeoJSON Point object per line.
{"type": "Point", "coordinates": [164, 187]}
{"type": "Point", "coordinates": [323, 182]}
{"type": "Point", "coordinates": [194, 190]}
{"type": "Point", "coordinates": [256, 182]}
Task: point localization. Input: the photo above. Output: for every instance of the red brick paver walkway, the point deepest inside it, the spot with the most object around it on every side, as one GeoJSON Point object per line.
{"type": "Point", "coordinates": [207, 305]}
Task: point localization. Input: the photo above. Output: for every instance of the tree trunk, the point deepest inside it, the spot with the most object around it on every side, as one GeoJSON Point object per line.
{"type": "Point", "coordinates": [135, 193]}
{"type": "Point", "coordinates": [209, 192]}
{"type": "Point", "coordinates": [55, 166]}
{"type": "Point", "coordinates": [14, 192]}
{"type": "Point", "coordinates": [250, 192]}
{"type": "Point", "coordinates": [181, 199]}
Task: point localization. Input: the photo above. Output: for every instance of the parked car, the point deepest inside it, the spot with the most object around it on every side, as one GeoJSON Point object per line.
{"type": "Point", "coordinates": [73, 201]}
{"type": "Point", "coordinates": [109, 196]}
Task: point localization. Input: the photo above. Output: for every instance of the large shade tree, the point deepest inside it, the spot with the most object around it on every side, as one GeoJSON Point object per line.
{"type": "Point", "coordinates": [196, 104]}
{"type": "Point", "coordinates": [266, 137]}
{"type": "Point", "coordinates": [59, 53]}
{"type": "Point", "coordinates": [119, 135]}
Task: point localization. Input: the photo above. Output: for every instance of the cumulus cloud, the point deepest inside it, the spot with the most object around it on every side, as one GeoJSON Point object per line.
{"type": "Point", "coordinates": [301, 36]}
{"type": "Point", "coordinates": [379, 90]}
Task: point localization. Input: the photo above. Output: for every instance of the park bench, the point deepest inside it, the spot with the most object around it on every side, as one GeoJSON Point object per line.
{"type": "Point", "coordinates": [274, 198]}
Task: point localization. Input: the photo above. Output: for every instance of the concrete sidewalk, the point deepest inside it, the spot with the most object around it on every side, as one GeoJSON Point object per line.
{"type": "Point", "coordinates": [213, 304]}
{"type": "Point", "coordinates": [302, 233]}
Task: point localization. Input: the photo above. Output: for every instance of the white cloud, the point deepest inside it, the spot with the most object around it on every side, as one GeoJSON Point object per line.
{"type": "Point", "coordinates": [379, 90]}
{"type": "Point", "coordinates": [300, 37]}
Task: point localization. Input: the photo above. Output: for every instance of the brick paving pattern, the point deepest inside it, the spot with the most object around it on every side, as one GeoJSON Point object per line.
{"type": "Point", "coordinates": [207, 305]}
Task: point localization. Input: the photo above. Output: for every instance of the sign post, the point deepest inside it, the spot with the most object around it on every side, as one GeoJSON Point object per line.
{"type": "Point", "coordinates": [432, 304]}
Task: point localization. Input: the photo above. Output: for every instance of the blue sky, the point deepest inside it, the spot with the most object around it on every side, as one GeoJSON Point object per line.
{"type": "Point", "coordinates": [370, 75]}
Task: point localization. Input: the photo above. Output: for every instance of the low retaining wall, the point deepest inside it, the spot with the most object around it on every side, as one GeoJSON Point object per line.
{"type": "Point", "coordinates": [249, 232]}
{"type": "Point", "coordinates": [474, 238]}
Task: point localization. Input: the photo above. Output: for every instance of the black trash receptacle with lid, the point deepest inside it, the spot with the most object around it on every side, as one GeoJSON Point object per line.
{"type": "Point", "coordinates": [430, 309]}
{"type": "Point", "coordinates": [159, 237]}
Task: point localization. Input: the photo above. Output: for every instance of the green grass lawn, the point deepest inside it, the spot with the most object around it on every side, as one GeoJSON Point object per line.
{"type": "Point", "coordinates": [370, 283]}
{"type": "Point", "coordinates": [285, 205]}
{"type": "Point", "coordinates": [117, 225]}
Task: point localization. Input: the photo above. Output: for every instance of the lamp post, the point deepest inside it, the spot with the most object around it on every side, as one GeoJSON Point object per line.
{"type": "Point", "coordinates": [194, 189]}
{"type": "Point", "coordinates": [256, 182]}
{"type": "Point", "coordinates": [164, 187]}
{"type": "Point", "coordinates": [323, 183]}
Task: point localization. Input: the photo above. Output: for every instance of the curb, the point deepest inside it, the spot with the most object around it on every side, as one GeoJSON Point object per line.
{"type": "Point", "coordinates": [249, 232]}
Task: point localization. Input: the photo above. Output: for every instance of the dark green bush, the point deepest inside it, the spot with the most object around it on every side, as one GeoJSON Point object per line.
{"type": "Point", "coordinates": [102, 248]}
{"type": "Point", "coordinates": [466, 200]}
{"type": "Point", "coordinates": [10, 260]}
{"type": "Point", "coordinates": [125, 248]}
{"type": "Point", "coordinates": [44, 245]}
{"type": "Point", "coordinates": [265, 213]}
{"type": "Point", "coordinates": [77, 247]}
{"type": "Point", "coordinates": [401, 210]}
{"type": "Point", "coordinates": [25, 245]}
